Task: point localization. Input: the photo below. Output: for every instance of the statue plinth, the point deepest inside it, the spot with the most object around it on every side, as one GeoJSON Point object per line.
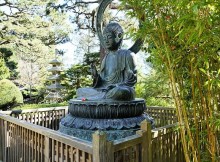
{"type": "Point", "coordinates": [106, 109]}
{"type": "Point", "coordinates": [118, 119]}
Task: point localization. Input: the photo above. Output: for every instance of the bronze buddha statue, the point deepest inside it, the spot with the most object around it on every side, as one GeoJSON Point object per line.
{"type": "Point", "coordinates": [117, 75]}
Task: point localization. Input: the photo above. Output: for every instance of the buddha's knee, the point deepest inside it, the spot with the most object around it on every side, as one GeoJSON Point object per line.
{"type": "Point", "coordinates": [121, 93]}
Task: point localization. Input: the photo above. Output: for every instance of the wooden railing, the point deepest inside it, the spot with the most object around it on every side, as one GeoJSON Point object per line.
{"type": "Point", "coordinates": [46, 117]}
{"type": "Point", "coordinates": [166, 144]}
{"type": "Point", "coordinates": [25, 142]}
{"type": "Point", "coordinates": [162, 116]}
{"type": "Point", "coordinates": [21, 141]}
{"type": "Point", "coordinates": [157, 145]}
{"type": "Point", "coordinates": [50, 117]}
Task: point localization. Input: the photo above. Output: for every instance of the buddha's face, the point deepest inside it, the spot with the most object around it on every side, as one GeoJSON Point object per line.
{"type": "Point", "coordinates": [109, 39]}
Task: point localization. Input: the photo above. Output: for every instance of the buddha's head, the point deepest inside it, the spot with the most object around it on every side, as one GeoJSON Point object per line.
{"type": "Point", "coordinates": [113, 35]}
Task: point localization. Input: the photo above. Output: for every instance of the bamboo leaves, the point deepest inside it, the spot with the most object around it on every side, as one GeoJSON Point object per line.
{"type": "Point", "coordinates": [185, 38]}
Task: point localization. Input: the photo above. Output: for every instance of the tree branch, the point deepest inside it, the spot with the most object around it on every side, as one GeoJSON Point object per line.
{"type": "Point", "coordinates": [4, 42]}
{"type": "Point", "coordinates": [83, 2]}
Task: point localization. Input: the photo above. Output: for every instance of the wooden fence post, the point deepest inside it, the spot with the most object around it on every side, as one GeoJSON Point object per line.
{"type": "Point", "coordinates": [146, 152]}
{"type": "Point", "coordinates": [103, 150]}
{"type": "Point", "coordinates": [5, 141]}
{"type": "Point", "coordinates": [47, 149]}
{"type": "Point", "coordinates": [1, 140]}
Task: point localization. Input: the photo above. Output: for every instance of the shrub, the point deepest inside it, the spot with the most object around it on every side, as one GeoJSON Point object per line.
{"type": "Point", "coordinates": [10, 95]}
{"type": "Point", "coordinates": [4, 71]}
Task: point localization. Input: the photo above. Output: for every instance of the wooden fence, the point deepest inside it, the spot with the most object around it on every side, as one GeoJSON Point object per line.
{"type": "Point", "coordinates": [50, 117]}
{"type": "Point", "coordinates": [26, 142]}
{"type": "Point", "coordinates": [162, 116]}
{"type": "Point", "coordinates": [23, 141]}
{"type": "Point", "coordinates": [46, 117]}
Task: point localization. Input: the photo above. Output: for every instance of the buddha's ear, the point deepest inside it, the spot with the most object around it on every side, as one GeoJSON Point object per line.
{"type": "Point", "coordinates": [118, 37]}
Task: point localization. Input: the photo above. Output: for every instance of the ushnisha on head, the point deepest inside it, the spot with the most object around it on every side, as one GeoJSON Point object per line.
{"type": "Point", "coordinates": [113, 36]}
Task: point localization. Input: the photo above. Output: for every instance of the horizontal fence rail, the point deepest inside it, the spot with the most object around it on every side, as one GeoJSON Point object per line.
{"type": "Point", "coordinates": [50, 117]}
{"type": "Point", "coordinates": [46, 117]}
{"type": "Point", "coordinates": [128, 149]}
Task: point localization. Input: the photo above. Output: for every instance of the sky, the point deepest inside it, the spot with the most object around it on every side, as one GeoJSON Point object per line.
{"type": "Point", "coordinates": [69, 57]}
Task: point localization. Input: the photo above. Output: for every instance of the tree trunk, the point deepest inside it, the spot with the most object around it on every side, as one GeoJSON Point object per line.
{"type": "Point", "coordinates": [102, 53]}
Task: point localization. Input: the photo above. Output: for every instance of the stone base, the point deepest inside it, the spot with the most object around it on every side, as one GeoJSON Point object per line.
{"type": "Point", "coordinates": [83, 128]}
{"type": "Point", "coordinates": [118, 119]}
{"type": "Point", "coordinates": [87, 134]}
{"type": "Point", "coordinates": [104, 124]}
{"type": "Point", "coordinates": [106, 109]}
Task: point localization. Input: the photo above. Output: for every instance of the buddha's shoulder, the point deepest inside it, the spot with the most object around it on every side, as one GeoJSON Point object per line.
{"type": "Point", "coordinates": [126, 53]}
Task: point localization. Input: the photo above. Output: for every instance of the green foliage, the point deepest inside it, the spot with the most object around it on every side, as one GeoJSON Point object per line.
{"type": "Point", "coordinates": [183, 38]}
{"type": "Point", "coordinates": [154, 101]}
{"type": "Point", "coordinates": [36, 96]}
{"type": "Point", "coordinates": [6, 54]}
{"type": "Point", "coordinates": [155, 89]}
{"type": "Point", "coordinates": [75, 77]}
{"type": "Point", "coordinates": [4, 71]}
{"type": "Point", "coordinates": [31, 34]}
{"type": "Point", "coordinates": [79, 75]}
{"type": "Point", "coordinates": [31, 25]}
{"type": "Point", "coordinates": [91, 58]}
{"type": "Point", "coordinates": [10, 95]}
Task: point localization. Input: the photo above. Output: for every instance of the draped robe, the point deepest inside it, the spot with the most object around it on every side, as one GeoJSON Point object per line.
{"type": "Point", "coordinates": [116, 79]}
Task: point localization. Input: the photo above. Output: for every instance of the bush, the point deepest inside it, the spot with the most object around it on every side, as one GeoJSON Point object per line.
{"type": "Point", "coordinates": [4, 71]}
{"type": "Point", "coordinates": [10, 95]}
